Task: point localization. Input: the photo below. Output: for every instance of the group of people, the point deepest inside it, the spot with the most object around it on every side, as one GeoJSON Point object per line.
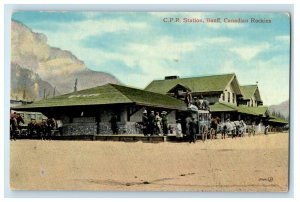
{"type": "Point", "coordinates": [154, 124]}
{"type": "Point", "coordinates": [190, 129]}
{"type": "Point", "coordinates": [199, 102]}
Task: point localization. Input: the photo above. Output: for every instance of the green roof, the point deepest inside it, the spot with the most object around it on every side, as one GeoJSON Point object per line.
{"type": "Point", "coordinates": [248, 91]}
{"type": "Point", "coordinates": [108, 94]}
{"type": "Point", "coordinates": [216, 83]}
{"type": "Point", "coordinates": [276, 119]}
{"type": "Point", "coordinates": [222, 107]}
{"type": "Point", "coordinates": [257, 111]}
{"type": "Point", "coordinates": [225, 107]}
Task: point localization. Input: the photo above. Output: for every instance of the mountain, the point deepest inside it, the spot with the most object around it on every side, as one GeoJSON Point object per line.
{"type": "Point", "coordinates": [54, 68]}
{"type": "Point", "coordinates": [282, 108]}
{"type": "Point", "coordinates": [26, 85]}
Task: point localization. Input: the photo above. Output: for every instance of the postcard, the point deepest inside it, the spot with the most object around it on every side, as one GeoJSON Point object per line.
{"type": "Point", "coordinates": [150, 101]}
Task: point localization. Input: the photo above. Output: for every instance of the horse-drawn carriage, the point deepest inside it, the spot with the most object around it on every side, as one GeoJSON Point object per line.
{"type": "Point", "coordinates": [232, 128]}
{"type": "Point", "coordinates": [202, 119]}
{"type": "Point", "coordinates": [208, 127]}
{"type": "Point", "coordinates": [31, 124]}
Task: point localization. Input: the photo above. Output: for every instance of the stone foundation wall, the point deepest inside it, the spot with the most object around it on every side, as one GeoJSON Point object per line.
{"type": "Point", "coordinates": [137, 116]}
{"type": "Point", "coordinates": [81, 126]}
{"type": "Point", "coordinates": [124, 128]}
{"type": "Point", "coordinates": [79, 129]}
{"type": "Point", "coordinates": [88, 125]}
{"type": "Point", "coordinates": [86, 128]}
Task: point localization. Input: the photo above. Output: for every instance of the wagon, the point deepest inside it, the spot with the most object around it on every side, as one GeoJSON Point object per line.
{"type": "Point", "coordinates": [202, 118]}
{"type": "Point", "coordinates": [22, 130]}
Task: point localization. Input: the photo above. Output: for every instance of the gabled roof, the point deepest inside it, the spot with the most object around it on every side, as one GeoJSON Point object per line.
{"type": "Point", "coordinates": [248, 91]}
{"type": "Point", "coordinates": [179, 86]}
{"type": "Point", "coordinates": [215, 83]}
{"type": "Point", "coordinates": [108, 94]}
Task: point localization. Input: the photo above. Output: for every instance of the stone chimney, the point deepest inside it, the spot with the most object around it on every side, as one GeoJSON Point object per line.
{"type": "Point", "coordinates": [171, 77]}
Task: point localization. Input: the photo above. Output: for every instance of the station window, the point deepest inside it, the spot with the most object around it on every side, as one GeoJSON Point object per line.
{"type": "Point", "coordinates": [228, 96]}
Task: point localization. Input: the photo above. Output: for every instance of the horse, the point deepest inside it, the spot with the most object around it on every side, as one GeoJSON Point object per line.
{"type": "Point", "coordinates": [15, 120]}
{"type": "Point", "coordinates": [50, 125]}
{"type": "Point", "coordinates": [235, 128]}
{"type": "Point", "coordinates": [38, 127]}
{"type": "Point", "coordinates": [241, 128]}
{"type": "Point", "coordinates": [238, 129]}
{"type": "Point", "coordinates": [251, 130]}
{"type": "Point", "coordinates": [227, 128]}
{"type": "Point", "coordinates": [214, 123]}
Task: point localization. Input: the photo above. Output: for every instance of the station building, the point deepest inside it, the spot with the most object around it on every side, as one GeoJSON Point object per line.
{"type": "Point", "coordinates": [88, 112]}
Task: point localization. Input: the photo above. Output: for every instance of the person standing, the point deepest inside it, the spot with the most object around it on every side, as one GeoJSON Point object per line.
{"type": "Point", "coordinates": [151, 120]}
{"type": "Point", "coordinates": [188, 119]}
{"type": "Point", "coordinates": [114, 125]}
{"type": "Point", "coordinates": [157, 124]}
{"type": "Point", "coordinates": [178, 129]}
{"type": "Point", "coordinates": [197, 102]}
{"type": "Point", "coordinates": [192, 127]}
{"type": "Point", "coordinates": [13, 125]}
{"type": "Point", "coordinates": [145, 123]}
{"type": "Point", "coordinates": [266, 129]}
{"type": "Point", "coordinates": [164, 123]}
{"type": "Point", "coordinates": [188, 98]}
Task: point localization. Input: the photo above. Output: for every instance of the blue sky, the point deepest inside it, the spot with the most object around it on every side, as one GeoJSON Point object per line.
{"type": "Point", "coordinates": [138, 47]}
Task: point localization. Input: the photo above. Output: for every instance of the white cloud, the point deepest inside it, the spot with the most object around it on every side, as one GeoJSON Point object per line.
{"type": "Point", "coordinates": [155, 60]}
{"type": "Point", "coordinates": [218, 40]}
{"type": "Point", "coordinates": [249, 52]}
{"type": "Point", "coordinates": [76, 31]}
{"type": "Point", "coordinates": [271, 74]}
{"type": "Point", "coordinates": [283, 38]}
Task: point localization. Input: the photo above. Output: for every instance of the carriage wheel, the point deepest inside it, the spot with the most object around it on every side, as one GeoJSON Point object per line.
{"type": "Point", "coordinates": [204, 133]}
{"type": "Point", "coordinates": [213, 134]}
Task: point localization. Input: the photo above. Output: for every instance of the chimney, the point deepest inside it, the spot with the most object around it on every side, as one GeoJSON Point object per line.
{"type": "Point", "coordinates": [171, 77]}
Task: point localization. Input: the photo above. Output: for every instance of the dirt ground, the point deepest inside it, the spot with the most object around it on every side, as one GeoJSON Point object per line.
{"type": "Point", "coordinates": [247, 164]}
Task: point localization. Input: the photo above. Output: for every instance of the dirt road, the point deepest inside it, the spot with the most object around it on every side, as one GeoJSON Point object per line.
{"type": "Point", "coordinates": [258, 163]}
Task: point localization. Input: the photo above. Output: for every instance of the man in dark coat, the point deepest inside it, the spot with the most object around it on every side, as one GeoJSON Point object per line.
{"type": "Point", "coordinates": [164, 123]}
{"type": "Point", "coordinates": [151, 120]}
{"type": "Point", "coordinates": [145, 123]}
{"type": "Point", "coordinates": [114, 125]}
{"type": "Point", "coordinates": [192, 128]}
